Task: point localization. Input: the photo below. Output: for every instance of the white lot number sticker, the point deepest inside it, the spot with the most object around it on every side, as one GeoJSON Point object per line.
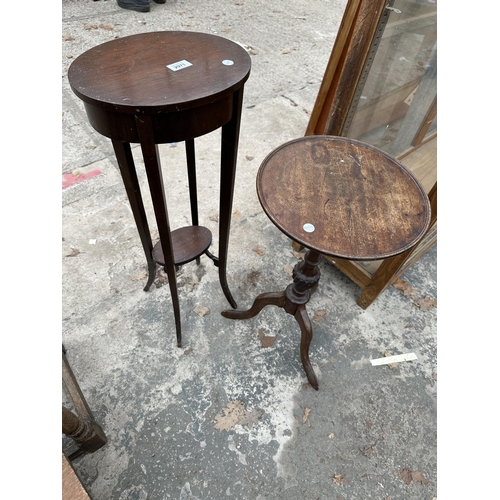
{"type": "Point", "coordinates": [179, 65]}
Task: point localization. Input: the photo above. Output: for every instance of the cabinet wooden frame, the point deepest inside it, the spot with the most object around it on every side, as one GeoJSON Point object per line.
{"type": "Point", "coordinates": [349, 61]}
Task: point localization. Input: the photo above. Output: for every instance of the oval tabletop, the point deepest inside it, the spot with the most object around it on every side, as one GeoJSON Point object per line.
{"type": "Point", "coordinates": [159, 72]}
{"type": "Point", "coordinates": [343, 198]}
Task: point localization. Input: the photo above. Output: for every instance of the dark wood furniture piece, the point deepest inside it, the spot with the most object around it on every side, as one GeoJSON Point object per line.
{"type": "Point", "coordinates": [86, 434]}
{"type": "Point", "coordinates": [337, 197]}
{"type": "Point", "coordinates": [166, 87]}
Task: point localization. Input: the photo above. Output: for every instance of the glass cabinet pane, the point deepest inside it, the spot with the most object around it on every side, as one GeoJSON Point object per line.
{"type": "Point", "coordinates": [394, 106]}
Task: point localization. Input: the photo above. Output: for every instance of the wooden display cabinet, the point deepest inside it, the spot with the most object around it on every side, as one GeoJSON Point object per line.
{"type": "Point", "coordinates": [380, 87]}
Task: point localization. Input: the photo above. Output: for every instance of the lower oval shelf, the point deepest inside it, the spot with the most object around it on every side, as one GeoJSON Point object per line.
{"type": "Point", "coordinates": [188, 243]}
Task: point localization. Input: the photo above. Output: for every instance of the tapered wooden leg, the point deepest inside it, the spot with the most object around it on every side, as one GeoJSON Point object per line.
{"type": "Point", "coordinates": [305, 341]}
{"type": "Point", "coordinates": [261, 301]}
{"type": "Point", "coordinates": [229, 149]}
{"type": "Point", "coordinates": [155, 181]}
{"type": "Point", "coordinates": [191, 169]}
{"type": "Point", "coordinates": [193, 194]}
{"type": "Point", "coordinates": [126, 164]}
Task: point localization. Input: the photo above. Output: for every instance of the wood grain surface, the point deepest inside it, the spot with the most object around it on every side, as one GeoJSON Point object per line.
{"type": "Point", "coordinates": [72, 488]}
{"type": "Point", "coordinates": [363, 204]}
{"type": "Point", "coordinates": [132, 71]}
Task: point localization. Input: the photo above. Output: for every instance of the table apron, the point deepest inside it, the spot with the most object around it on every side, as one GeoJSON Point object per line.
{"type": "Point", "coordinates": [167, 127]}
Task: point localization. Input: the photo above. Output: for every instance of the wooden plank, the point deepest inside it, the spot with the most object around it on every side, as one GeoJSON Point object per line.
{"type": "Point", "coordinates": [370, 267]}
{"type": "Point", "coordinates": [352, 270]}
{"type": "Point", "coordinates": [422, 162]}
{"type": "Point", "coordinates": [353, 64]}
{"type": "Point", "coordinates": [324, 99]}
{"type": "Point", "coordinates": [72, 487]}
{"type": "Point", "coordinates": [345, 67]}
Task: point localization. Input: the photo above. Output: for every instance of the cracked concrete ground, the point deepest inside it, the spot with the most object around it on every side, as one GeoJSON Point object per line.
{"type": "Point", "coordinates": [174, 417]}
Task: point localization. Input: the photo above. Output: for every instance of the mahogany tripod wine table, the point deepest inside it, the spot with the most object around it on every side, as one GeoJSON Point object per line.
{"type": "Point", "coordinates": [337, 197]}
{"type": "Point", "coordinates": [167, 87]}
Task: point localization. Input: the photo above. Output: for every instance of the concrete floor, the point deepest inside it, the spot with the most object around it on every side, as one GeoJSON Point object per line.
{"type": "Point", "coordinates": [173, 416]}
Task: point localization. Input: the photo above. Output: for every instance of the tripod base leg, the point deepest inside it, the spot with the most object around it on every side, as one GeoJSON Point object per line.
{"type": "Point", "coordinates": [261, 301]}
{"type": "Point", "coordinates": [305, 341]}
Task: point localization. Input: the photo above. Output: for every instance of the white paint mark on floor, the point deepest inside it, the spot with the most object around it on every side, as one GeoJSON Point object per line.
{"type": "Point", "coordinates": [398, 358]}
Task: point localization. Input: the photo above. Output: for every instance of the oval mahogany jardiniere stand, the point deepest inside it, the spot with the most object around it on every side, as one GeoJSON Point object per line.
{"type": "Point", "coordinates": [166, 87]}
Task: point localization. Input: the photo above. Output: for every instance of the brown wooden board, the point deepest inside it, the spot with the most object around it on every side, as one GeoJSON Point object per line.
{"type": "Point", "coordinates": [72, 487]}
